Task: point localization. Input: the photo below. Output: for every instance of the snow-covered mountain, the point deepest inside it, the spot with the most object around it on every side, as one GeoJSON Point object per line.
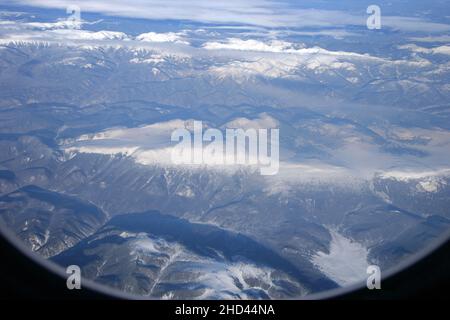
{"type": "Point", "coordinates": [87, 111]}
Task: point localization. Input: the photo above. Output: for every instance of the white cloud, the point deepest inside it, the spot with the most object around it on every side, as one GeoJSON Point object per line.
{"type": "Point", "coordinates": [281, 59]}
{"type": "Point", "coordinates": [56, 25]}
{"type": "Point", "coordinates": [335, 33]}
{"type": "Point", "coordinates": [153, 59]}
{"type": "Point", "coordinates": [412, 24]}
{"type": "Point", "coordinates": [267, 13]}
{"type": "Point", "coordinates": [61, 24]}
{"type": "Point", "coordinates": [432, 39]}
{"type": "Point", "coordinates": [71, 30]}
{"type": "Point", "coordinates": [55, 31]}
{"type": "Point", "coordinates": [62, 35]}
{"type": "Point", "coordinates": [242, 71]}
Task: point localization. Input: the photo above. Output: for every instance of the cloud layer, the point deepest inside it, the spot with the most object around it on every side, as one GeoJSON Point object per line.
{"type": "Point", "coordinates": [266, 13]}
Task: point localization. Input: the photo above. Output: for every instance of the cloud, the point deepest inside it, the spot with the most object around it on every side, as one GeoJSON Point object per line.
{"type": "Point", "coordinates": [61, 24]}
{"type": "Point", "coordinates": [61, 35]}
{"type": "Point", "coordinates": [55, 31]}
{"type": "Point", "coordinates": [254, 12]}
{"type": "Point", "coordinates": [431, 39]}
{"type": "Point", "coordinates": [409, 24]}
{"type": "Point", "coordinates": [9, 20]}
{"type": "Point", "coordinates": [151, 145]}
{"type": "Point", "coordinates": [267, 13]}
{"type": "Point", "coordinates": [335, 33]}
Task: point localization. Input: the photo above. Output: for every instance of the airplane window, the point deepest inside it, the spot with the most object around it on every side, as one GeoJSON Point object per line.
{"type": "Point", "coordinates": [241, 150]}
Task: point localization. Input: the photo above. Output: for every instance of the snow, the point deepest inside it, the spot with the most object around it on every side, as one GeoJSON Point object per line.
{"type": "Point", "coordinates": [444, 38]}
{"type": "Point", "coordinates": [278, 46]}
{"type": "Point", "coordinates": [61, 24]}
{"type": "Point", "coordinates": [283, 59]}
{"type": "Point", "coordinates": [244, 70]}
{"type": "Point", "coordinates": [227, 281]}
{"type": "Point", "coordinates": [429, 186]}
{"type": "Point", "coordinates": [127, 151]}
{"type": "Point", "coordinates": [162, 37]}
{"type": "Point", "coordinates": [445, 50]}
{"type": "Point", "coordinates": [251, 45]}
{"type": "Point", "coordinates": [406, 176]}
{"type": "Point", "coordinates": [151, 145]}
{"type": "Point", "coordinates": [186, 192]}
{"type": "Point", "coordinates": [153, 59]}
{"type": "Point", "coordinates": [88, 35]}
{"type": "Point", "coordinates": [219, 279]}
{"type": "Point", "coordinates": [264, 121]}
{"type": "Point", "coordinates": [346, 263]}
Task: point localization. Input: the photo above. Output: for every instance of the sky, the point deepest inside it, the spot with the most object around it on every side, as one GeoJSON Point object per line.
{"type": "Point", "coordinates": [265, 13]}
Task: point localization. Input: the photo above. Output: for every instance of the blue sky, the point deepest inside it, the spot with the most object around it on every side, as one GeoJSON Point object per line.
{"type": "Point", "coordinates": [412, 16]}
